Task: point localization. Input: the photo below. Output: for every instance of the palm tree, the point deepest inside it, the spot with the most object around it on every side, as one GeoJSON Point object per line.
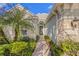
{"type": "Point", "coordinates": [2, 35]}
{"type": "Point", "coordinates": [15, 19]}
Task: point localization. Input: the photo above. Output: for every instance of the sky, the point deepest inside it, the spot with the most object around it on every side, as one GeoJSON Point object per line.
{"type": "Point", "coordinates": [32, 7]}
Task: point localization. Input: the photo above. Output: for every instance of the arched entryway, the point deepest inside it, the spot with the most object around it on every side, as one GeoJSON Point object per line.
{"type": "Point", "coordinates": [41, 25]}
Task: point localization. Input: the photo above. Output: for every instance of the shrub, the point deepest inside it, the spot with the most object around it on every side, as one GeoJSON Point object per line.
{"type": "Point", "coordinates": [2, 41]}
{"type": "Point", "coordinates": [55, 50]}
{"type": "Point", "coordinates": [22, 48]}
{"type": "Point", "coordinates": [26, 39]}
{"type": "Point", "coordinates": [67, 47]}
{"type": "Point", "coordinates": [4, 50]}
{"type": "Point", "coordinates": [1, 50]}
{"type": "Point", "coordinates": [48, 40]}
{"type": "Point", "coordinates": [17, 47]}
{"type": "Point", "coordinates": [31, 47]}
{"type": "Point", "coordinates": [70, 47]}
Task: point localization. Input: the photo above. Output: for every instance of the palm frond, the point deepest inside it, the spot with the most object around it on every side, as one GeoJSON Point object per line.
{"type": "Point", "coordinates": [26, 24]}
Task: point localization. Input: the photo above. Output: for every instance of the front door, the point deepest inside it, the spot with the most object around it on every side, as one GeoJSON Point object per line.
{"type": "Point", "coordinates": [41, 30]}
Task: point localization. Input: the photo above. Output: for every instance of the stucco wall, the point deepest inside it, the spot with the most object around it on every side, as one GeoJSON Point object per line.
{"type": "Point", "coordinates": [51, 29]}
{"type": "Point", "coordinates": [66, 31]}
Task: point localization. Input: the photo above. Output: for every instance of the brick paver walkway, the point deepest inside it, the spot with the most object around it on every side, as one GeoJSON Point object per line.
{"type": "Point", "coordinates": [42, 48]}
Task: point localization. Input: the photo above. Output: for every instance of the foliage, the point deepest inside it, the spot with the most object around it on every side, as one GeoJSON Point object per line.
{"type": "Point", "coordinates": [70, 47]}
{"type": "Point", "coordinates": [54, 14]}
{"type": "Point", "coordinates": [31, 47]}
{"type": "Point", "coordinates": [47, 39]}
{"type": "Point", "coordinates": [67, 47]}
{"type": "Point", "coordinates": [33, 43]}
{"type": "Point", "coordinates": [25, 39]}
{"type": "Point", "coordinates": [3, 49]}
{"type": "Point", "coordinates": [18, 48]}
{"type": "Point", "coordinates": [25, 48]}
{"type": "Point", "coordinates": [15, 19]}
{"type": "Point", "coordinates": [55, 50]}
{"type": "Point", "coordinates": [3, 39]}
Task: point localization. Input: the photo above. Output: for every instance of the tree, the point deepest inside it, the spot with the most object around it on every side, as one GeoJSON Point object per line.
{"type": "Point", "coordinates": [15, 19]}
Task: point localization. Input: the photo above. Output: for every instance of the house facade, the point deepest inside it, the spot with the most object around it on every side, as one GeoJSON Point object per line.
{"type": "Point", "coordinates": [63, 22]}
{"type": "Point", "coordinates": [42, 19]}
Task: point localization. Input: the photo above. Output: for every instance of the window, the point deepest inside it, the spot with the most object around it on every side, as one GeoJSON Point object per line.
{"type": "Point", "coordinates": [24, 32]}
{"type": "Point", "coordinates": [75, 24]}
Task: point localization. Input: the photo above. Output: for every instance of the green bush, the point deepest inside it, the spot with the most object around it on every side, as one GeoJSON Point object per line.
{"type": "Point", "coordinates": [67, 47]}
{"type": "Point", "coordinates": [31, 47]}
{"type": "Point", "coordinates": [23, 48]}
{"type": "Point", "coordinates": [18, 48]}
{"type": "Point", "coordinates": [48, 40]}
{"type": "Point", "coordinates": [3, 49]}
{"type": "Point", "coordinates": [2, 41]}
{"type": "Point", "coordinates": [55, 50]}
{"type": "Point", "coordinates": [70, 47]}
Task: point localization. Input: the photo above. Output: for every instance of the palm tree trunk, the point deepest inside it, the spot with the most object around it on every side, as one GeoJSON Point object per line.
{"type": "Point", "coordinates": [4, 35]}
{"type": "Point", "coordinates": [16, 33]}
